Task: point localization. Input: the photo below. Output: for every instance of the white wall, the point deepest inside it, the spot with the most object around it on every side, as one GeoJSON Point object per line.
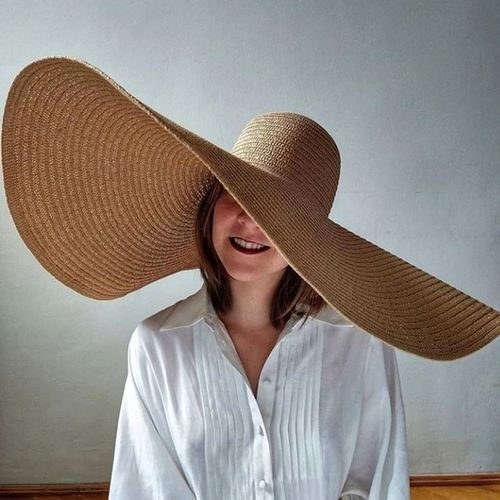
{"type": "Point", "coordinates": [410, 92]}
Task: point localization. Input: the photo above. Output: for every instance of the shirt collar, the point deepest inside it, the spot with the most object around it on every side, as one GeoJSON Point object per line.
{"type": "Point", "coordinates": [198, 306]}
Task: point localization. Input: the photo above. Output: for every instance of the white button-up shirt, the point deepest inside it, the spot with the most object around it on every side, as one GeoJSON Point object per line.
{"type": "Point", "coordinates": [328, 420]}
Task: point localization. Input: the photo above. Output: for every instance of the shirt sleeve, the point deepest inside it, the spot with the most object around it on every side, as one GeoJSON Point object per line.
{"type": "Point", "coordinates": [379, 467]}
{"type": "Point", "coordinates": [145, 463]}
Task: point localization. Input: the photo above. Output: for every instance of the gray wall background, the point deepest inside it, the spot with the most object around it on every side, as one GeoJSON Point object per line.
{"type": "Point", "coordinates": [410, 92]}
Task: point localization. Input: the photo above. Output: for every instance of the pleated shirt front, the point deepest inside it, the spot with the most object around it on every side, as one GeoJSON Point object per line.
{"type": "Point", "coordinates": [328, 421]}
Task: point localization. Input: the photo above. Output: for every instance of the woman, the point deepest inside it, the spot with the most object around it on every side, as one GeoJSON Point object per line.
{"type": "Point", "coordinates": [235, 393]}
{"type": "Point", "coordinates": [228, 394]}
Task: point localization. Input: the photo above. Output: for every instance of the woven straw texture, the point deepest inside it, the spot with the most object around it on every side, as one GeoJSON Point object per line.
{"type": "Point", "coordinates": [104, 192]}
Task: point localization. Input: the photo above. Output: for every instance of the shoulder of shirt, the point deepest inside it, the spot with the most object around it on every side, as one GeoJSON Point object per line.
{"type": "Point", "coordinates": [183, 313]}
{"type": "Point", "coordinates": [328, 314]}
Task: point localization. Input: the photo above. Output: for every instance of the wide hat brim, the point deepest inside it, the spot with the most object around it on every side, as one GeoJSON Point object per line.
{"type": "Point", "coordinates": [104, 192]}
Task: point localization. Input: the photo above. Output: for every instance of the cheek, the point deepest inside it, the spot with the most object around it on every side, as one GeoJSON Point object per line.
{"type": "Point", "coordinates": [220, 224]}
{"type": "Point", "coordinates": [279, 260]}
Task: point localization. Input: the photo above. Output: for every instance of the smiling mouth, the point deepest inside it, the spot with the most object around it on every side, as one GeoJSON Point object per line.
{"type": "Point", "coordinates": [247, 251]}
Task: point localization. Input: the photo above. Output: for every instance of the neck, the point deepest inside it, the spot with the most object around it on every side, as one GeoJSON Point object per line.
{"type": "Point", "coordinates": [251, 306]}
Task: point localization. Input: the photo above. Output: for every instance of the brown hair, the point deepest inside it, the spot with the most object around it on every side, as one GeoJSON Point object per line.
{"type": "Point", "coordinates": [291, 289]}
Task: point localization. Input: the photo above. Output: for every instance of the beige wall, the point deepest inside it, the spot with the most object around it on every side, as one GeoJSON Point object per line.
{"type": "Point", "coordinates": [409, 90]}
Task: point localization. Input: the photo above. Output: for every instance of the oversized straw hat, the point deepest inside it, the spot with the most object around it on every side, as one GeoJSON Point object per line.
{"type": "Point", "coordinates": [104, 192]}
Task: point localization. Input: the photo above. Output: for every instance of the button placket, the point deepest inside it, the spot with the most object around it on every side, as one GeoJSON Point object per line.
{"type": "Point", "coordinates": [261, 410]}
{"type": "Point", "coordinates": [264, 489]}
{"type": "Point", "coordinates": [261, 449]}
{"type": "Point", "coordinates": [260, 406]}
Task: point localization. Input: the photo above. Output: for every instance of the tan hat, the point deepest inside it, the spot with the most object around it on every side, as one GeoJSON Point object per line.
{"type": "Point", "coordinates": [104, 191]}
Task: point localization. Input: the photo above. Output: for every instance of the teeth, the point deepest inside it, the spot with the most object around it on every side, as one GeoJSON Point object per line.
{"type": "Point", "coordinates": [243, 243]}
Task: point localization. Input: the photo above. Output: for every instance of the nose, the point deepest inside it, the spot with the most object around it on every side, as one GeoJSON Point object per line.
{"type": "Point", "coordinates": [245, 219]}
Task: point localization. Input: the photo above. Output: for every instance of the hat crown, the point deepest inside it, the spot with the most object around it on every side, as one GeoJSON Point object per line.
{"type": "Point", "coordinates": [294, 147]}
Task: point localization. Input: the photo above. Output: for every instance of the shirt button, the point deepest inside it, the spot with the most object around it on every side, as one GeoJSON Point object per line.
{"type": "Point", "coordinates": [261, 431]}
{"type": "Point", "coordinates": [262, 483]}
{"type": "Point", "coordinates": [266, 380]}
